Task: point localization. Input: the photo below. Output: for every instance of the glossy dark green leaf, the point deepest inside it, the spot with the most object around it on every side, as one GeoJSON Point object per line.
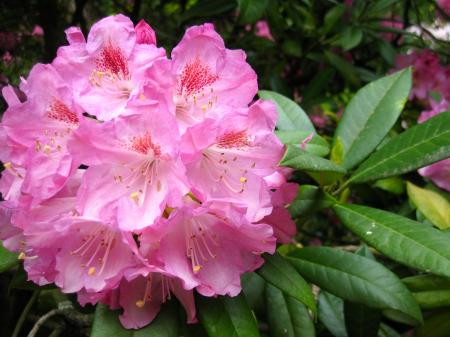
{"type": "Point", "coordinates": [322, 170]}
{"type": "Point", "coordinates": [280, 273]}
{"type": "Point", "coordinates": [290, 116]}
{"type": "Point", "coordinates": [286, 316]}
{"type": "Point", "coordinates": [419, 146]}
{"type": "Point", "coordinates": [361, 320]}
{"type": "Point", "coordinates": [331, 313]}
{"type": "Point", "coordinates": [309, 199]}
{"type": "Point", "coordinates": [370, 115]}
{"type": "Point", "coordinates": [355, 278]}
{"type": "Point", "coordinates": [107, 324]}
{"type": "Point", "coordinates": [404, 240]}
{"type": "Point", "coordinates": [253, 287]}
{"type": "Point", "coordinates": [227, 316]}
{"type": "Point", "coordinates": [8, 259]}
{"type": "Point", "coordinates": [317, 145]}
{"type": "Point", "coordinates": [251, 10]}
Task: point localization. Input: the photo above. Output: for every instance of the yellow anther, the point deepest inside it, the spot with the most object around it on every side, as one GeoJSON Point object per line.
{"type": "Point", "coordinates": [91, 271]}
{"type": "Point", "coordinates": [140, 303]}
{"type": "Point", "coordinates": [243, 180]}
{"type": "Point", "coordinates": [135, 196]}
{"type": "Point", "coordinates": [7, 165]}
{"type": "Point", "coordinates": [47, 149]}
{"type": "Point", "coordinates": [204, 107]}
{"type": "Point", "coordinates": [196, 268]}
{"type": "Point", "coordinates": [142, 96]}
{"type": "Point", "coordinates": [21, 256]}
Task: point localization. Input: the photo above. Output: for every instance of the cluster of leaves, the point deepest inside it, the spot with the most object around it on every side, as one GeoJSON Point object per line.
{"type": "Point", "coordinates": [372, 257]}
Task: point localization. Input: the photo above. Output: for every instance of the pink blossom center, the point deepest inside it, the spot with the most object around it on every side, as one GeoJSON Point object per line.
{"type": "Point", "coordinates": [144, 144]}
{"type": "Point", "coordinates": [194, 77]}
{"type": "Point", "coordinates": [60, 112]}
{"type": "Point", "coordinates": [233, 139]}
{"type": "Point", "coordinates": [112, 61]}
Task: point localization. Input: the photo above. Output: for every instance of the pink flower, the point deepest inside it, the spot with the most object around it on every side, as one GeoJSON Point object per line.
{"type": "Point", "coordinates": [284, 228]}
{"type": "Point", "coordinates": [7, 57]}
{"type": "Point", "coordinates": [445, 5]}
{"type": "Point", "coordinates": [209, 248]}
{"type": "Point", "coordinates": [144, 33]}
{"type": "Point", "coordinates": [133, 166]}
{"type": "Point", "coordinates": [109, 69]}
{"type": "Point", "coordinates": [263, 30]}
{"type": "Point", "coordinates": [141, 294]}
{"type": "Point", "coordinates": [423, 63]}
{"type": "Point", "coordinates": [228, 159]}
{"type": "Point", "coordinates": [439, 173]}
{"type": "Point", "coordinates": [209, 76]}
{"type": "Point", "coordinates": [37, 31]}
{"type": "Point", "coordinates": [39, 129]}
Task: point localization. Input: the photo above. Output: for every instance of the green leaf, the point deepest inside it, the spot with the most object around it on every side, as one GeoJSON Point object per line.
{"type": "Point", "coordinates": [332, 17]}
{"type": "Point", "coordinates": [430, 291]}
{"type": "Point", "coordinates": [435, 207]}
{"type": "Point", "coordinates": [355, 278]}
{"type": "Point", "coordinates": [251, 10]}
{"type": "Point", "coordinates": [317, 145]}
{"type": "Point", "coordinates": [287, 317]}
{"type": "Point", "coordinates": [437, 325]}
{"type": "Point", "coordinates": [403, 240]}
{"type": "Point", "coordinates": [253, 287]}
{"type": "Point", "coordinates": [345, 69]}
{"type": "Point", "coordinates": [395, 185]}
{"type": "Point", "coordinates": [337, 152]}
{"type": "Point", "coordinates": [361, 320]}
{"type": "Point", "coordinates": [331, 313]}
{"type": "Point", "coordinates": [324, 171]}
{"type": "Point", "coordinates": [226, 317]}
{"type": "Point", "coordinates": [351, 37]}
{"type": "Point", "coordinates": [290, 116]}
{"type": "Point", "coordinates": [386, 331]}
{"type": "Point", "coordinates": [283, 275]}
{"type": "Point", "coordinates": [317, 86]}
{"type": "Point", "coordinates": [419, 146]}
{"type": "Point", "coordinates": [107, 324]}
{"type": "Point", "coordinates": [370, 115]}
{"type": "Point", "coordinates": [309, 199]}
{"type": "Point", "coordinates": [8, 259]}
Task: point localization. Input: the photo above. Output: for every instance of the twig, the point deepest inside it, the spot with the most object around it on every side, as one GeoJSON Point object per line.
{"type": "Point", "coordinates": [25, 312]}
{"type": "Point", "coordinates": [43, 319]}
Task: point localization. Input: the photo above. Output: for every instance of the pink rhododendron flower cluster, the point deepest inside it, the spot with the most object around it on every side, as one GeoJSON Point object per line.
{"type": "Point", "coordinates": [425, 63]}
{"type": "Point", "coordinates": [130, 176]}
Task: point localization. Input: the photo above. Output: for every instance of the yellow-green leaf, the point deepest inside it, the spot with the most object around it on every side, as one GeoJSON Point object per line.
{"type": "Point", "coordinates": [432, 205]}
